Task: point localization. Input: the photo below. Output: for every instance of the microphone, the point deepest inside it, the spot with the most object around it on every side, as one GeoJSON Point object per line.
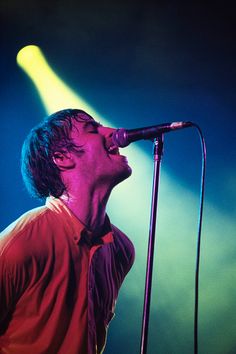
{"type": "Point", "coordinates": [122, 137]}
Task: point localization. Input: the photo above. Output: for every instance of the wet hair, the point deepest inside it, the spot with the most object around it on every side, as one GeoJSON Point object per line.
{"type": "Point", "coordinates": [40, 174]}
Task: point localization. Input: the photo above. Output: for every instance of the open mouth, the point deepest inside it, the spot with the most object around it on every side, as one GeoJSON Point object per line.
{"type": "Point", "coordinates": [113, 150]}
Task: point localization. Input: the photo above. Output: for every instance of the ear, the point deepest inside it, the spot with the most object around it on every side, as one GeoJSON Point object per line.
{"type": "Point", "coordinates": [63, 160]}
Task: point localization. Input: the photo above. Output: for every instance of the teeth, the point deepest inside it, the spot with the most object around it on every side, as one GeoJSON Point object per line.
{"type": "Point", "coordinates": [113, 148]}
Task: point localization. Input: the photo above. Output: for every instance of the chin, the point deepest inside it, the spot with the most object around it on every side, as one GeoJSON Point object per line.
{"type": "Point", "coordinates": [125, 173]}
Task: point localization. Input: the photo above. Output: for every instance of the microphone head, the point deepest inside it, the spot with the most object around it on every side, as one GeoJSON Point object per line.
{"type": "Point", "coordinates": [119, 138]}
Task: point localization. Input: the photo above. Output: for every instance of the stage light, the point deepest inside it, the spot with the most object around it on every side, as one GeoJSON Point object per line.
{"type": "Point", "coordinates": [54, 93]}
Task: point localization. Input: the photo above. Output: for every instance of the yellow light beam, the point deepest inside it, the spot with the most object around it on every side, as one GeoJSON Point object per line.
{"type": "Point", "coordinates": [54, 93]}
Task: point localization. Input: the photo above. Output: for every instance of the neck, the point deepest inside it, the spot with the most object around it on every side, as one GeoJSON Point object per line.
{"type": "Point", "coordinates": [88, 205]}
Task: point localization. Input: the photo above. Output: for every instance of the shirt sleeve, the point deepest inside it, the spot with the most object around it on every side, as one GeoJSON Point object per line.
{"type": "Point", "coordinates": [6, 293]}
{"type": "Point", "coordinates": [13, 280]}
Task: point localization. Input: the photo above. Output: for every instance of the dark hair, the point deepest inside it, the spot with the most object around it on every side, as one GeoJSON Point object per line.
{"type": "Point", "coordinates": [40, 174]}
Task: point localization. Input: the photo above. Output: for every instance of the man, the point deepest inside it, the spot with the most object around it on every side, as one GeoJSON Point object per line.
{"type": "Point", "coordinates": [62, 264]}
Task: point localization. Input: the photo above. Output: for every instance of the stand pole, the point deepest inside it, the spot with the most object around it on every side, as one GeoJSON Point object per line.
{"type": "Point", "coordinates": [157, 155]}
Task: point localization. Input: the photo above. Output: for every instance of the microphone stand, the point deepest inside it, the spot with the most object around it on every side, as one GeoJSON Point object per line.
{"type": "Point", "coordinates": [157, 155]}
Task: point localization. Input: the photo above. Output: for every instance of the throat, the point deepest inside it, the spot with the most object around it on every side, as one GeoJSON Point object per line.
{"type": "Point", "coordinates": [90, 209]}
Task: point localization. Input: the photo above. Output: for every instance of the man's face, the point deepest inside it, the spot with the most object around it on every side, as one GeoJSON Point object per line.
{"type": "Point", "coordinates": [100, 160]}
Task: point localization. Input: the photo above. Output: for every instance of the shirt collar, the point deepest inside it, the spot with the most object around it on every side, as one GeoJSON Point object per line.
{"type": "Point", "coordinates": [76, 228]}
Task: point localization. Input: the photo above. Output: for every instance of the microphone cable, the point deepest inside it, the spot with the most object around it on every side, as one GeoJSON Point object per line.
{"type": "Point", "coordinates": [202, 192]}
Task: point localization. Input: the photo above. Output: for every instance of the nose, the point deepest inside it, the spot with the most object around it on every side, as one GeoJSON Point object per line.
{"type": "Point", "coordinates": [106, 131]}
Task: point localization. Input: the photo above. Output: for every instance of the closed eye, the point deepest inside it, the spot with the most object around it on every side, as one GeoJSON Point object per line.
{"type": "Point", "coordinates": [92, 131]}
{"type": "Point", "coordinates": [92, 127]}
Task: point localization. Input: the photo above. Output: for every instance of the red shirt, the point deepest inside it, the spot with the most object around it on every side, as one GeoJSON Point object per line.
{"type": "Point", "coordinates": [57, 290]}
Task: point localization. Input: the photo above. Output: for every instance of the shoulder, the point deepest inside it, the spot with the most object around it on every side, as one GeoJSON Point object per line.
{"type": "Point", "coordinates": [23, 247]}
{"type": "Point", "coordinates": [19, 247]}
{"type": "Point", "coordinates": [22, 232]}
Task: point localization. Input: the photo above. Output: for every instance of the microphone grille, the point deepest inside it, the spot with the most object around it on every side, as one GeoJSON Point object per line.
{"type": "Point", "coordinates": [119, 137]}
